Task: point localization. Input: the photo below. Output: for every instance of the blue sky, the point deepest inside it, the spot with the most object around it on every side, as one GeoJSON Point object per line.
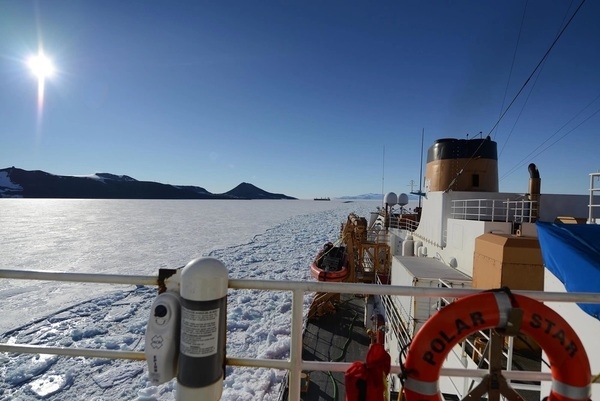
{"type": "Point", "coordinates": [299, 97]}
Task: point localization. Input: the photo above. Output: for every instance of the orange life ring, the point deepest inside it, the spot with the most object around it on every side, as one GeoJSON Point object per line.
{"type": "Point", "coordinates": [570, 366]}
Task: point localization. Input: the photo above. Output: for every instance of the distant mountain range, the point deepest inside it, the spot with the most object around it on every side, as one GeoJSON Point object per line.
{"type": "Point", "coordinates": [373, 196]}
{"type": "Point", "coordinates": [18, 183]}
{"type": "Point", "coordinates": [370, 196]}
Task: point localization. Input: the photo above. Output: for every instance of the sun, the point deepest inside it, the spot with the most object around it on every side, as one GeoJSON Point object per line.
{"type": "Point", "coordinates": [41, 66]}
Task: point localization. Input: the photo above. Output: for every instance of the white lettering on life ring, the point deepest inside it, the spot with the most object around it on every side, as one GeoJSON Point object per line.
{"type": "Point", "coordinates": [199, 332]}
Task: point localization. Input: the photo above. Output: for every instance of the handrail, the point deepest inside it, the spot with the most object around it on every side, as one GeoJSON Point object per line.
{"type": "Point", "coordinates": [494, 210]}
{"type": "Point", "coordinates": [305, 286]}
{"type": "Point", "coordinates": [404, 223]}
{"type": "Point", "coordinates": [295, 364]}
{"type": "Point", "coordinates": [98, 278]}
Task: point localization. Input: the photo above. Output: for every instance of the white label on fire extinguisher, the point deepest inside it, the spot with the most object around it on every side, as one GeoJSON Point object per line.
{"type": "Point", "coordinates": [199, 332]}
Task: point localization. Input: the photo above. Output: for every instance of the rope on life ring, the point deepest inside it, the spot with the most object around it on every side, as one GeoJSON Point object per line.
{"type": "Point", "coordinates": [570, 366]}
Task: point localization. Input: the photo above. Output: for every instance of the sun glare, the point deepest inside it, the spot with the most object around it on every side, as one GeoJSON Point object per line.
{"type": "Point", "coordinates": [41, 66]}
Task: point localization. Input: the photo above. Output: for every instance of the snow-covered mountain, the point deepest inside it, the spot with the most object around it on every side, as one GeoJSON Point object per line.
{"type": "Point", "coordinates": [18, 183]}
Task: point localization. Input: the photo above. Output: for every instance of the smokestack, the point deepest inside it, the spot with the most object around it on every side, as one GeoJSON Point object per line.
{"type": "Point", "coordinates": [535, 184]}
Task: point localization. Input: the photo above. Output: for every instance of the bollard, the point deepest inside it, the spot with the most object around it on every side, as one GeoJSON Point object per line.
{"type": "Point", "coordinates": [203, 291]}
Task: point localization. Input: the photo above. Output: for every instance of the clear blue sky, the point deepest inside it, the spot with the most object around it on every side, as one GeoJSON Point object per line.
{"type": "Point", "coordinates": [299, 97]}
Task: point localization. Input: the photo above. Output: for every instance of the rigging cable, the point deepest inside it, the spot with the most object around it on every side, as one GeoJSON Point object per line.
{"type": "Point", "coordinates": [519, 92]}
{"type": "Point", "coordinates": [522, 161]}
{"type": "Point", "coordinates": [537, 66]}
{"type": "Point", "coordinates": [513, 60]}
{"type": "Point", "coordinates": [530, 92]}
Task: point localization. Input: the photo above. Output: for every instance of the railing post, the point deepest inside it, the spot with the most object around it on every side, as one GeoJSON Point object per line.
{"type": "Point", "coordinates": [591, 204]}
{"type": "Point", "coordinates": [296, 345]}
{"type": "Point", "coordinates": [203, 290]}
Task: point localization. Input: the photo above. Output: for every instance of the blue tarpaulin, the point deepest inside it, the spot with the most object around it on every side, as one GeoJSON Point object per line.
{"type": "Point", "coordinates": [572, 253]}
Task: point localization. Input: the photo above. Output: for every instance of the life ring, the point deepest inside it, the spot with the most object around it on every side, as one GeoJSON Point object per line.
{"type": "Point", "coordinates": [570, 366]}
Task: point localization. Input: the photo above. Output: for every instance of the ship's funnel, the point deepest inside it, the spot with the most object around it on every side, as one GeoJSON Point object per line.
{"type": "Point", "coordinates": [462, 165]}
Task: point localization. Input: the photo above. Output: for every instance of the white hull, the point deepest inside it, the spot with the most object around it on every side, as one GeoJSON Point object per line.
{"type": "Point", "coordinates": [449, 242]}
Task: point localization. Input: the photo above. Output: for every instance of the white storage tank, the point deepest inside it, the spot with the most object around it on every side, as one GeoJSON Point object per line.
{"type": "Point", "coordinates": [408, 246]}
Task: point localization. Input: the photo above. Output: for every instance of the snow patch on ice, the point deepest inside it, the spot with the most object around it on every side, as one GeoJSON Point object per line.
{"type": "Point", "coordinates": [50, 384]}
{"type": "Point", "coordinates": [29, 366]}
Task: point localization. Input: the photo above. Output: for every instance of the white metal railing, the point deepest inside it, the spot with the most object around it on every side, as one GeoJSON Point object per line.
{"type": "Point", "coordinates": [403, 223]}
{"type": "Point", "coordinates": [377, 236]}
{"type": "Point", "coordinates": [295, 364]}
{"type": "Point", "coordinates": [593, 190]}
{"type": "Point", "coordinates": [524, 211]}
{"type": "Point", "coordinates": [495, 210]}
{"type": "Point", "coordinates": [396, 322]}
{"type": "Point", "coordinates": [508, 355]}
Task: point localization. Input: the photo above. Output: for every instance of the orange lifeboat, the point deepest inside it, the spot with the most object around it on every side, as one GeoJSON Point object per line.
{"type": "Point", "coordinates": [330, 264]}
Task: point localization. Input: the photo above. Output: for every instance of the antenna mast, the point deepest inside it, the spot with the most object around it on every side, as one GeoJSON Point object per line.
{"type": "Point", "coordinates": [421, 173]}
{"type": "Point", "coordinates": [382, 175]}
